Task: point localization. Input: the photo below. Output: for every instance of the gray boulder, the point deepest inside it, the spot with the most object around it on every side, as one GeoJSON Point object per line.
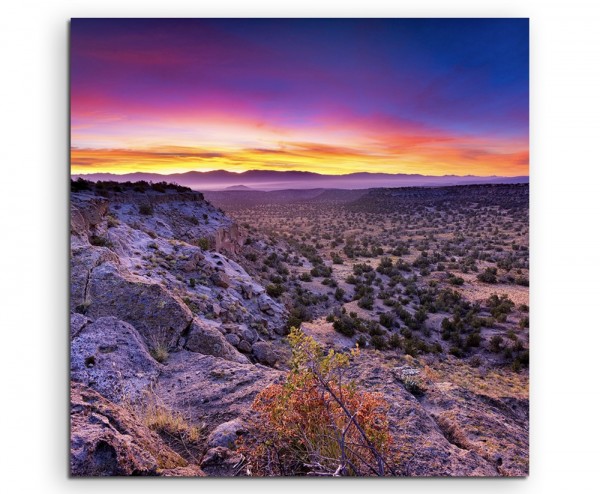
{"type": "Point", "coordinates": [204, 338]}
{"type": "Point", "coordinates": [110, 356]}
{"type": "Point", "coordinates": [264, 353]}
{"type": "Point", "coordinates": [226, 434]}
{"type": "Point", "coordinates": [148, 306]}
{"type": "Point", "coordinates": [78, 322]}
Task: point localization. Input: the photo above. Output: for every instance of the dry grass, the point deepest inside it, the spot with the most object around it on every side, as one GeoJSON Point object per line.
{"type": "Point", "coordinates": [495, 383]}
{"type": "Point", "coordinates": [174, 427]}
{"type": "Point", "coordinates": [159, 352]}
{"type": "Point", "coordinates": [453, 432]}
{"type": "Point", "coordinates": [163, 420]}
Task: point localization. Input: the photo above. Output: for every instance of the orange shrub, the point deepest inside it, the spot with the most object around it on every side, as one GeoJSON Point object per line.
{"type": "Point", "coordinates": [314, 423]}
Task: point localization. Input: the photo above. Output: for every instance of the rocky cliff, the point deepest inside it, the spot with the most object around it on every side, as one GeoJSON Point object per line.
{"type": "Point", "coordinates": [157, 305]}
{"type": "Point", "coordinates": [172, 339]}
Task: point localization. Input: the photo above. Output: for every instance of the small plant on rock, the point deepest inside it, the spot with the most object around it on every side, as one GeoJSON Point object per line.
{"type": "Point", "coordinates": [160, 344]}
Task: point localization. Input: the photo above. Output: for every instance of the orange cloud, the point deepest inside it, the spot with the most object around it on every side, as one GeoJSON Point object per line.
{"type": "Point", "coordinates": [419, 156]}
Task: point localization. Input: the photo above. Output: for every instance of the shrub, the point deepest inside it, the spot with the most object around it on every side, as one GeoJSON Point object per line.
{"type": "Point", "coordinates": [315, 423]}
{"type": "Point", "coordinates": [146, 209]}
{"type": "Point", "coordinates": [80, 184]}
{"type": "Point", "coordinates": [174, 427]}
{"type": "Point", "coordinates": [379, 342]}
{"type": "Point", "coordinates": [112, 222]}
{"type": "Point", "coordinates": [387, 319]}
{"type": "Point", "coordinates": [345, 325]}
{"type": "Point", "coordinates": [523, 358]}
{"type": "Point", "coordinates": [413, 386]}
{"type": "Point", "coordinates": [362, 341]}
{"type": "Point", "coordinates": [496, 343]}
{"type": "Point", "coordinates": [500, 307]}
{"type": "Point", "coordinates": [366, 302]}
{"type": "Point", "coordinates": [337, 259]}
{"type": "Point", "coordinates": [204, 243]}
{"type": "Point", "coordinates": [305, 277]}
{"type": "Point", "coordinates": [193, 220]}
{"type": "Point", "coordinates": [456, 280]}
{"type": "Point", "coordinates": [275, 290]}
{"type": "Point", "coordinates": [488, 276]}
{"type": "Point", "coordinates": [395, 341]}
{"type": "Point", "coordinates": [83, 307]}
{"type": "Point", "coordinates": [473, 340]}
{"type": "Point", "coordinates": [160, 344]}
{"type": "Point", "coordinates": [100, 241]}
{"type": "Point", "coordinates": [320, 271]}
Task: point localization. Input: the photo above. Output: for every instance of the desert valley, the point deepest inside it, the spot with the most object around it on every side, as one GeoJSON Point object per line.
{"type": "Point", "coordinates": [183, 303]}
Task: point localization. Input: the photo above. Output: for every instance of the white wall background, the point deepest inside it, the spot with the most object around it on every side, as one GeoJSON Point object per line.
{"type": "Point", "coordinates": [565, 295]}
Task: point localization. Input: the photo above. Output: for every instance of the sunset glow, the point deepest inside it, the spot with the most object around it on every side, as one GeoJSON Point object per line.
{"type": "Point", "coordinates": [432, 96]}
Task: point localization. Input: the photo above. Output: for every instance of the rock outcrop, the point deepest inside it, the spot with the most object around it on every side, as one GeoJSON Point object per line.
{"type": "Point", "coordinates": [230, 240]}
{"type": "Point", "coordinates": [110, 356]}
{"type": "Point", "coordinates": [217, 390]}
{"type": "Point", "coordinates": [108, 440]}
{"type": "Point", "coordinates": [203, 338]}
{"type": "Point", "coordinates": [154, 309]}
{"type": "Point", "coordinates": [150, 269]}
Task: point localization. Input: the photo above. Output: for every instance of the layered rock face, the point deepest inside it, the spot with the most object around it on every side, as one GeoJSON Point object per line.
{"type": "Point", "coordinates": [229, 239]}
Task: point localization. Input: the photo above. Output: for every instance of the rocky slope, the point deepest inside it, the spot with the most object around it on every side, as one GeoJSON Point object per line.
{"type": "Point", "coordinates": [151, 282]}
{"type": "Point", "coordinates": [171, 340]}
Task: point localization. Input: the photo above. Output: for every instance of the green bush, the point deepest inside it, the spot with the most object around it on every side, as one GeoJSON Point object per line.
{"type": "Point", "coordinates": [387, 319]}
{"type": "Point", "coordinates": [496, 343]}
{"type": "Point", "coordinates": [379, 342]}
{"type": "Point", "coordinates": [203, 243]}
{"type": "Point", "coordinates": [488, 276]}
{"type": "Point", "coordinates": [306, 277]}
{"type": "Point", "coordinates": [473, 340]}
{"type": "Point", "coordinates": [366, 302]}
{"type": "Point", "coordinates": [275, 290]}
{"type": "Point", "coordinates": [146, 209]}
{"type": "Point", "coordinates": [395, 341]}
{"type": "Point", "coordinates": [345, 326]}
{"type": "Point", "coordinates": [100, 241]}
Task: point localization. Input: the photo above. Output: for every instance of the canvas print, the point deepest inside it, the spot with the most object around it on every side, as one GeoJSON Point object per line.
{"type": "Point", "coordinates": [299, 247]}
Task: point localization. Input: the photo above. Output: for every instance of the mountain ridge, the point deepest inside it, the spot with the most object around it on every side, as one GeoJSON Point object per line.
{"type": "Point", "coordinates": [294, 179]}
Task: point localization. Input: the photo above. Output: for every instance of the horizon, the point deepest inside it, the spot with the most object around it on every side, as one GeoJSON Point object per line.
{"type": "Point", "coordinates": [431, 97]}
{"type": "Point", "coordinates": [271, 180]}
{"type": "Point", "coordinates": [241, 172]}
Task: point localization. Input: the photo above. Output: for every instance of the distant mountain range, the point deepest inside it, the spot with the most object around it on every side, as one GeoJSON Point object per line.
{"type": "Point", "coordinates": [279, 180]}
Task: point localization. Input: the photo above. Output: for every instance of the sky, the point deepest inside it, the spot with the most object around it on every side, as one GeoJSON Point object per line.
{"type": "Point", "coordinates": [332, 96]}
